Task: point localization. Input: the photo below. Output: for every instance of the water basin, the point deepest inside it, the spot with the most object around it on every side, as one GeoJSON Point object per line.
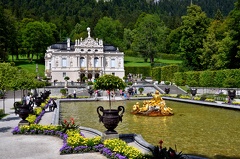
{"type": "Point", "coordinates": [193, 129]}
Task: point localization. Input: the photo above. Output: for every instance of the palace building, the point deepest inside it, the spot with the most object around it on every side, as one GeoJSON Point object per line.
{"type": "Point", "coordinates": [85, 58]}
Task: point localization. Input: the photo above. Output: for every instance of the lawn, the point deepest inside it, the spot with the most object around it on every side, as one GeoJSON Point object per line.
{"type": "Point", "coordinates": [128, 61]}
{"type": "Point", "coordinates": [30, 66]}
{"type": "Point", "coordinates": [139, 61]}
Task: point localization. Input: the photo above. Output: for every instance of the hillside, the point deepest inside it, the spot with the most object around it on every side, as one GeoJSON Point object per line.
{"type": "Point", "coordinates": [65, 14]}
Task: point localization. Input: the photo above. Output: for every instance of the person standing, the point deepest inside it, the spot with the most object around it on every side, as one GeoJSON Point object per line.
{"type": "Point", "coordinates": [27, 99]}
{"type": "Point", "coordinates": [74, 94]}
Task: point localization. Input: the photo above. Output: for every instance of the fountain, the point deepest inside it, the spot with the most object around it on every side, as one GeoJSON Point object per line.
{"type": "Point", "coordinates": [193, 129]}
{"type": "Point", "coordinates": [154, 107]}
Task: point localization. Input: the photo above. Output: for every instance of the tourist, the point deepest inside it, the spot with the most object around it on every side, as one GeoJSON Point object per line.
{"type": "Point", "coordinates": [96, 94]}
{"type": "Point", "coordinates": [120, 92]}
{"type": "Point", "coordinates": [54, 105]}
{"type": "Point", "coordinates": [50, 105]}
{"type": "Point", "coordinates": [28, 99]}
{"type": "Point", "coordinates": [24, 99]}
{"type": "Point", "coordinates": [74, 94]}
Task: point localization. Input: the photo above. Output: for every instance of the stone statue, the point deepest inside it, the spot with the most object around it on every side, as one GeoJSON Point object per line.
{"type": "Point", "coordinates": [89, 30]}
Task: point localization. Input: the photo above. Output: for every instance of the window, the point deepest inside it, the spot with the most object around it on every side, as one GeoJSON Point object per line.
{"type": "Point", "coordinates": [113, 74]}
{"type": "Point", "coordinates": [50, 66]}
{"type": "Point", "coordinates": [96, 62]}
{"type": "Point", "coordinates": [112, 62]}
{"type": "Point", "coordinates": [64, 74]}
{"type": "Point", "coordinates": [82, 62]}
{"type": "Point", "coordinates": [64, 62]}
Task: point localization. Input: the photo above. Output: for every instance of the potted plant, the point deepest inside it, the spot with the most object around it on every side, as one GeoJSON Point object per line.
{"type": "Point", "coordinates": [110, 117]}
{"type": "Point", "coordinates": [84, 79]}
{"type": "Point", "coordinates": [63, 91]}
{"type": "Point", "coordinates": [141, 89]}
{"type": "Point", "coordinates": [66, 78]}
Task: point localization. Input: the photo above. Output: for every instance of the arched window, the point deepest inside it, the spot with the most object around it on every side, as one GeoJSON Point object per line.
{"type": "Point", "coordinates": [96, 62]}
{"type": "Point", "coordinates": [113, 63]}
{"type": "Point", "coordinates": [82, 62]}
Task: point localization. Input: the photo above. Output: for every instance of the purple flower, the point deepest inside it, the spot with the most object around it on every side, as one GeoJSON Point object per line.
{"type": "Point", "coordinates": [107, 152]}
{"type": "Point", "coordinates": [119, 156]}
{"type": "Point", "coordinates": [49, 132]}
{"type": "Point", "coordinates": [82, 134]}
{"type": "Point", "coordinates": [16, 130]}
{"type": "Point", "coordinates": [66, 149]}
{"type": "Point", "coordinates": [32, 132]}
{"type": "Point", "coordinates": [79, 149]}
{"type": "Point", "coordinates": [39, 117]}
{"type": "Point", "coordinates": [98, 148]}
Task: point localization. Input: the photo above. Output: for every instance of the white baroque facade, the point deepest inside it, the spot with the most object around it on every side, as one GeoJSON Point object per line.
{"type": "Point", "coordinates": [88, 57]}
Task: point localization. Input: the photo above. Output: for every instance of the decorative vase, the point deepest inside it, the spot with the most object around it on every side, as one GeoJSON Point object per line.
{"type": "Point", "coordinates": [23, 113]}
{"type": "Point", "coordinates": [110, 118]}
{"type": "Point", "coordinates": [193, 92]}
{"type": "Point", "coordinates": [167, 90]}
{"type": "Point", "coordinates": [38, 101]}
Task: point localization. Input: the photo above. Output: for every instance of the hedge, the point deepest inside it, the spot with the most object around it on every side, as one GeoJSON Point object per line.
{"type": "Point", "coordinates": [228, 78]}
{"type": "Point", "coordinates": [145, 70]}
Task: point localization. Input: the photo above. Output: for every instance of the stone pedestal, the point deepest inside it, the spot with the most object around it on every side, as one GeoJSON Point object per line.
{"type": "Point", "coordinates": [109, 136]}
{"type": "Point", "coordinates": [23, 123]}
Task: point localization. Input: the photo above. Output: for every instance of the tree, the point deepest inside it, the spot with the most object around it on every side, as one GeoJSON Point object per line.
{"type": "Point", "coordinates": [127, 38]}
{"type": "Point", "coordinates": [149, 36]}
{"type": "Point", "coordinates": [111, 31]}
{"type": "Point", "coordinates": [8, 34]}
{"type": "Point", "coordinates": [212, 54]}
{"type": "Point", "coordinates": [232, 38]}
{"type": "Point", "coordinates": [79, 31]}
{"type": "Point", "coordinates": [110, 83]}
{"type": "Point", "coordinates": [7, 76]}
{"type": "Point", "coordinates": [194, 30]}
{"type": "Point", "coordinates": [37, 36]}
{"type": "Point", "coordinates": [173, 41]}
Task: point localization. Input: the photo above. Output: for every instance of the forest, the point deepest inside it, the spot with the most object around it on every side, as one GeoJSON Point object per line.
{"type": "Point", "coordinates": [204, 33]}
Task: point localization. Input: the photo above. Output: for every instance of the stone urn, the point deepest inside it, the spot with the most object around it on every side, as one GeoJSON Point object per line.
{"type": "Point", "coordinates": [38, 101]}
{"type": "Point", "coordinates": [167, 90]}
{"type": "Point", "coordinates": [232, 94]}
{"type": "Point", "coordinates": [110, 118]}
{"type": "Point", "coordinates": [193, 92]}
{"type": "Point", "coordinates": [23, 112]}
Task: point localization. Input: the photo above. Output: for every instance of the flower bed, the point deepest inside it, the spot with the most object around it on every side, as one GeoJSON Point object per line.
{"type": "Point", "coordinates": [75, 142]}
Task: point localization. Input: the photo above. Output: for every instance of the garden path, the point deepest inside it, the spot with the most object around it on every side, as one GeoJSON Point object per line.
{"type": "Point", "coordinates": [31, 146]}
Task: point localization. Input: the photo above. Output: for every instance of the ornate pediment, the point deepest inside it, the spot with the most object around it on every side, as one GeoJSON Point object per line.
{"type": "Point", "coordinates": [89, 42]}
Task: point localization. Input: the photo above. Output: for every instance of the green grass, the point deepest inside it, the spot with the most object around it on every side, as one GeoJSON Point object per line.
{"type": "Point", "coordinates": [138, 61]}
{"type": "Point", "coordinates": [30, 66]}
{"type": "Point", "coordinates": [26, 64]}
{"type": "Point", "coordinates": [185, 88]}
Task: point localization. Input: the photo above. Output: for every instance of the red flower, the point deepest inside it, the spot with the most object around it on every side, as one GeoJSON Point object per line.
{"type": "Point", "coordinates": [160, 144]}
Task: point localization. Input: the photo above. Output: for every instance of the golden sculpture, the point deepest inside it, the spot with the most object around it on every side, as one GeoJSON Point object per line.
{"type": "Point", "coordinates": [154, 107]}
